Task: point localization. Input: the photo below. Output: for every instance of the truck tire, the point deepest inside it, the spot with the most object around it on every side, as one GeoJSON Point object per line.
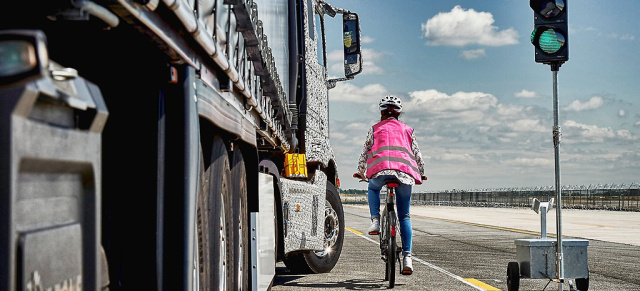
{"type": "Point", "coordinates": [323, 261]}
{"type": "Point", "coordinates": [240, 221]}
{"type": "Point", "coordinates": [582, 284]}
{"type": "Point", "coordinates": [215, 254]}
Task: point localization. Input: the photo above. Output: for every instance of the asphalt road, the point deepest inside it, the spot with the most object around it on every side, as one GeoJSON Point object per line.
{"type": "Point", "coordinates": [456, 255]}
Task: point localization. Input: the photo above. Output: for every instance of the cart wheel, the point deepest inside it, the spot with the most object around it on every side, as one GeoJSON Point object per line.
{"type": "Point", "coordinates": [513, 276]}
{"type": "Point", "coordinates": [582, 284]}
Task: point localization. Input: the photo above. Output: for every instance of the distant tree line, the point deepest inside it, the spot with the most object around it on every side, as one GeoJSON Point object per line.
{"type": "Point", "coordinates": [352, 191]}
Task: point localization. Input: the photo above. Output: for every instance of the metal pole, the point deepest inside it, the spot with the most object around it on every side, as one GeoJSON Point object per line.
{"type": "Point", "coordinates": [556, 146]}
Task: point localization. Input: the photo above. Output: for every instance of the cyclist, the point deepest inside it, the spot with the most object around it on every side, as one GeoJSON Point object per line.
{"type": "Point", "coordinates": [391, 151]}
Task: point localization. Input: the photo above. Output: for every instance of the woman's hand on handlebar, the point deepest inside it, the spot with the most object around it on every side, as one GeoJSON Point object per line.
{"type": "Point", "coordinates": [360, 176]}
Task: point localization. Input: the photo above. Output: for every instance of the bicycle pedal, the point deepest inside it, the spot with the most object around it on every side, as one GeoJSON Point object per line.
{"type": "Point", "coordinates": [374, 233]}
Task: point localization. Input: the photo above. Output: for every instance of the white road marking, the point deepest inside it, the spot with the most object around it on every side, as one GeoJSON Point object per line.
{"type": "Point", "coordinates": [430, 265]}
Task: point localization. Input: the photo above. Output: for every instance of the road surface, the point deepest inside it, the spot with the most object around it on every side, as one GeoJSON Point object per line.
{"type": "Point", "coordinates": [460, 248]}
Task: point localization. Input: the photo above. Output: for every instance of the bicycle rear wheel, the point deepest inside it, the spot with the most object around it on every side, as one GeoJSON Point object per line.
{"type": "Point", "coordinates": [384, 234]}
{"type": "Point", "coordinates": [391, 249]}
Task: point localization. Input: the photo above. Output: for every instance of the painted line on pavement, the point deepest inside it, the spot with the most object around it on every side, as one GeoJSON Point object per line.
{"type": "Point", "coordinates": [441, 270]}
{"type": "Point", "coordinates": [481, 284]}
{"type": "Point", "coordinates": [483, 225]}
{"type": "Point", "coordinates": [353, 230]}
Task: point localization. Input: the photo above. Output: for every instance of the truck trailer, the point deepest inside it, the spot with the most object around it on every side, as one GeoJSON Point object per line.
{"type": "Point", "coordinates": [167, 144]}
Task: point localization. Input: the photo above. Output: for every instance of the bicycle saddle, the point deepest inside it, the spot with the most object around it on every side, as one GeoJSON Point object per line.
{"type": "Point", "coordinates": [392, 182]}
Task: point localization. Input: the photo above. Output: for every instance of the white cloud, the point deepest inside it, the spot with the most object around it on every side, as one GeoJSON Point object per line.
{"type": "Point", "coordinates": [526, 94]}
{"type": "Point", "coordinates": [622, 113]}
{"type": "Point", "coordinates": [454, 157]}
{"type": "Point", "coordinates": [509, 109]}
{"type": "Point", "coordinates": [367, 39]}
{"type": "Point", "coordinates": [345, 91]}
{"type": "Point", "coordinates": [624, 36]}
{"type": "Point", "coordinates": [336, 56]}
{"type": "Point", "coordinates": [526, 125]}
{"type": "Point", "coordinates": [359, 126]}
{"type": "Point", "coordinates": [529, 162]}
{"type": "Point", "coordinates": [465, 27]}
{"type": "Point", "coordinates": [627, 36]}
{"type": "Point", "coordinates": [596, 32]}
{"type": "Point", "coordinates": [474, 54]}
{"type": "Point", "coordinates": [434, 101]}
{"type": "Point", "coordinates": [460, 133]}
{"type": "Point", "coordinates": [369, 66]}
{"type": "Point", "coordinates": [598, 134]}
{"type": "Point", "coordinates": [593, 103]}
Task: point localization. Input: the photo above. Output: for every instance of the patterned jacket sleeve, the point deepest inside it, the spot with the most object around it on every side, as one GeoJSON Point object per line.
{"type": "Point", "coordinates": [416, 153]}
{"type": "Point", "coordinates": [362, 163]}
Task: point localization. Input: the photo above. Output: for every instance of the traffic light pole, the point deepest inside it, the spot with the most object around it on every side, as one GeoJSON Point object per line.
{"type": "Point", "coordinates": [556, 146]}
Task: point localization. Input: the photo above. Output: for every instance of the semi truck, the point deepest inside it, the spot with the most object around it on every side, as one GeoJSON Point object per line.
{"type": "Point", "coordinates": [168, 144]}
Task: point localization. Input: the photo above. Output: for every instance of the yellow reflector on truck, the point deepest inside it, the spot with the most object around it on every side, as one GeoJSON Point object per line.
{"type": "Point", "coordinates": [295, 166]}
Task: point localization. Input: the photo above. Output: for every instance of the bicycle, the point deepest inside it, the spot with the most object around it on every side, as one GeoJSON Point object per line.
{"type": "Point", "coordinates": [389, 249]}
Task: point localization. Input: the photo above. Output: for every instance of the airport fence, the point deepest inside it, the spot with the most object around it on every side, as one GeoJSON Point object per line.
{"type": "Point", "coordinates": [606, 197]}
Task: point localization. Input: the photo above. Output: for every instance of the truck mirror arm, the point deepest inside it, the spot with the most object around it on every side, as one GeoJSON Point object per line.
{"type": "Point", "coordinates": [331, 83]}
{"type": "Point", "coordinates": [328, 9]}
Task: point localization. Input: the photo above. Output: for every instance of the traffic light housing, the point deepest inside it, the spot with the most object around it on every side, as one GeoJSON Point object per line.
{"type": "Point", "coordinates": [550, 35]}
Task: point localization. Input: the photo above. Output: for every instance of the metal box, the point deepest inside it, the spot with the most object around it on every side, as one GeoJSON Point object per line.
{"type": "Point", "coordinates": [537, 258]}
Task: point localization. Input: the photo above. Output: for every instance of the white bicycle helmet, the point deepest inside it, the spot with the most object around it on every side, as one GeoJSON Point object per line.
{"type": "Point", "coordinates": [392, 101]}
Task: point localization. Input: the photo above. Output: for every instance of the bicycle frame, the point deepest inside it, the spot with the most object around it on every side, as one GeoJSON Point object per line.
{"type": "Point", "coordinates": [389, 230]}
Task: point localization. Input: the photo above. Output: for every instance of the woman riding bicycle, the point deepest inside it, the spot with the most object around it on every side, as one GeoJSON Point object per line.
{"type": "Point", "coordinates": [391, 151]}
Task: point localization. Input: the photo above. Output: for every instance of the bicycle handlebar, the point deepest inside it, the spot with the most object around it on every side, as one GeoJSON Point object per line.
{"type": "Point", "coordinates": [364, 179]}
{"type": "Point", "coordinates": [361, 177]}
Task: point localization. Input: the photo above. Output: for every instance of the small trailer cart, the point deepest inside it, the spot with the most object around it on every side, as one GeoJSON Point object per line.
{"type": "Point", "coordinates": [538, 258]}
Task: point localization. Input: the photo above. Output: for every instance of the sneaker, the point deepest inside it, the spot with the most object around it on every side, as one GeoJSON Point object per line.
{"type": "Point", "coordinates": [374, 229]}
{"type": "Point", "coordinates": [407, 265]}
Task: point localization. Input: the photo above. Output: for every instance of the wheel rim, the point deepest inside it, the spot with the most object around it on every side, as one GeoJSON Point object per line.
{"type": "Point", "coordinates": [222, 285]}
{"type": "Point", "coordinates": [331, 229]}
{"type": "Point", "coordinates": [240, 250]}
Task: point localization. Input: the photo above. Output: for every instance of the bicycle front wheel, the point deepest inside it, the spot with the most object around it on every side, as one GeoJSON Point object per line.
{"type": "Point", "coordinates": [391, 248]}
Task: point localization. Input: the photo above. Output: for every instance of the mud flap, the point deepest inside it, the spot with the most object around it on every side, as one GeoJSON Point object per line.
{"type": "Point", "coordinates": [303, 211]}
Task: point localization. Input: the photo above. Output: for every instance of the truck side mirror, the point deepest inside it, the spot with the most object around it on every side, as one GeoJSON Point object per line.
{"type": "Point", "coordinates": [351, 37]}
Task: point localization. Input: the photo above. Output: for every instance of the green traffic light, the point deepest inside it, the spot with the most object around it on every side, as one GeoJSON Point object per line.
{"type": "Point", "coordinates": [548, 39]}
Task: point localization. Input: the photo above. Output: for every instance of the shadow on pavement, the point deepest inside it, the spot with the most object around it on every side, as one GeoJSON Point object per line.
{"type": "Point", "coordinates": [286, 278]}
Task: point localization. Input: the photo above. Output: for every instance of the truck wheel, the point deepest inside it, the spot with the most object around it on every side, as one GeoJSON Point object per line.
{"type": "Point", "coordinates": [240, 221]}
{"type": "Point", "coordinates": [582, 284]}
{"type": "Point", "coordinates": [324, 261]}
{"type": "Point", "coordinates": [215, 255]}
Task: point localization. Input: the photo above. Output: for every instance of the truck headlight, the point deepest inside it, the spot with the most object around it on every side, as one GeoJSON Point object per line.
{"type": "Point", "coordinates": [23, 56]}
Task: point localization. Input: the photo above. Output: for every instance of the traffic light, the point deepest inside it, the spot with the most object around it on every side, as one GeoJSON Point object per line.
{"type": "Point", "coordinates": [550, 33]}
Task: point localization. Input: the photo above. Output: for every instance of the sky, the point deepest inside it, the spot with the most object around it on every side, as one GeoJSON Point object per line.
{"type": "Point", "coordinates": [481, 107]}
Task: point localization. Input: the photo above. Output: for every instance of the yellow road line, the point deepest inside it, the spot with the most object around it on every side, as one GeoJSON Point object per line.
{"type": "Point", "coordinates": [485, 226]}
{"type": "Point", "coordinates": [478, 285]}
{"type": "Point", "coordinates": [481, 284]}
{"type": "Point", "coordinates": [353, 230]}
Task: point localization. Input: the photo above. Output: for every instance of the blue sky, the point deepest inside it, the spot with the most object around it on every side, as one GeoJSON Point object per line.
{"type": "Point", "coordinates": [481, 107]}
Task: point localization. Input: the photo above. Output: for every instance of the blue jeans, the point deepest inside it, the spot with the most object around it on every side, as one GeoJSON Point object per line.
{"type": "Point", "coordinates": [403, 200]}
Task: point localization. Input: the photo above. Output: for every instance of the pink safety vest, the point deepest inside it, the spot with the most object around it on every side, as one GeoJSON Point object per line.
{"type": "Point", "coordinates": [391, 149]}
